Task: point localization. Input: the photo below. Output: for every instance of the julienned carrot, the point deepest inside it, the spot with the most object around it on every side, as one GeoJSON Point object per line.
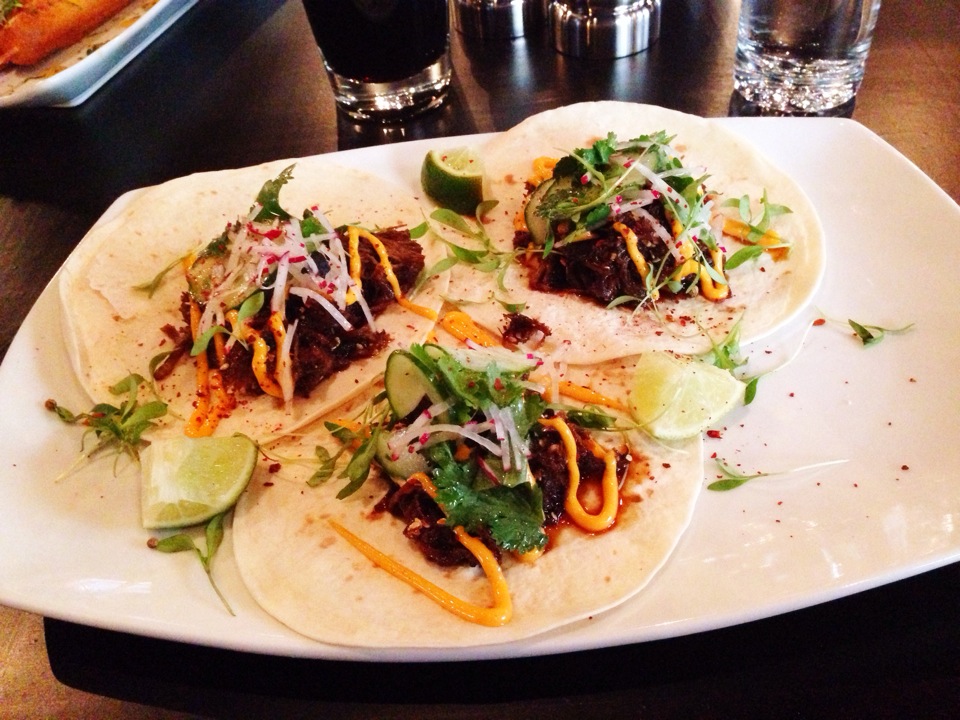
{"type": "Point", "coordinates": [37, 28]}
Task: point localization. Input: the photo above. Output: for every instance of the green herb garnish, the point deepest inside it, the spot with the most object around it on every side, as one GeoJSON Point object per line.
{"type": "Point", "coordinates": [484, 258]}
{"type": "Point", "coordinates": [591, 181]}
{"type": "Point", "coordinates": [748, 252]}
{"type": "Point", "coordinates": [872, 334]}
{"type": "Point", "coordinates": [116, 428]}
{"type": "Point", "coordinates": [731, 479]}
{"type": "Point", "coordinates": [513, 515]}
{"type": "Point", "coordinates": [727, 355]}
{"type": "Point", "coordinates": [327, 464]}
{"type": "Point", "coordinates": [478, 395]}
{"type": "Point", "coordinates": [269, 197]}
{"type": "Point", "coordinates": [365, 439]}
{"type": "Point", "coordinates": [6, 7]}
{"type": "Point", "coordinates": [151, 286]}
{"type": "Point", "coordinates": [182, 542]}
{"type": "Point", "coordinates": [758, 225]}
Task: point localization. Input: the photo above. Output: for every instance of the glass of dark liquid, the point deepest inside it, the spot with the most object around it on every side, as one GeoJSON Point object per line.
{"type": "Point", "coordinates": [386, 59]}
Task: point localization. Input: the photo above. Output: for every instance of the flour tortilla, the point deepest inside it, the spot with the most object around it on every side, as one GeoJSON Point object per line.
{"type": "Point", "coordinates": [766, 295]}
{"type": "Point", "coordinates": [305, 575]}
{"type": "Point", "coordinates": [111, 329]}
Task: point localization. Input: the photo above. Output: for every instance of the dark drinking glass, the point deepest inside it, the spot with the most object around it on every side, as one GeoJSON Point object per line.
{"type": "Point", "coordinates": [386, 59]}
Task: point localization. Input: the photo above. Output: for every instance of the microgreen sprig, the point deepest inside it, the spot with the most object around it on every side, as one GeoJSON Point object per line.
{"type": "Point", "coordinates": [652, 283]}
{"type": "Point", "coordinates": [594, 176]}
{"type": "Point", "coordinates": [744, 254]}
{"type": "Point", "coordinates": [183, 542]}
{"type": "Point", "coordinates": [358, 469]}
{"type": "Point", "coordinates": [322, 460]}
{"type": "Point", "coordinates": [117, 428]}
{"type": "Point", "coordinates": [758, 225]}
{"type": "Point", "coordinates": [867, 334]}
{"type": "Point", "coordinates": [151, 286]}
{"type": "Point", "coordinates": [728, 356]}
{"type": "Point", "coordinates": [248, 308]}
{"type": "Point", "coordinates": [363, 438]}
{"type": "Point", "coordinates": [327, 463]}
{"type": "Point", "coordinates": [872, 334]}
{"type": "Point", "coordinates": [731, 479]}
{"type": "Point", "coordinates": [485, 258]}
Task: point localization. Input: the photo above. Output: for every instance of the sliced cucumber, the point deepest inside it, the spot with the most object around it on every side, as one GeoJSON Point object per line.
{"type": "Point", "coordinates": [434, 351]}
{"type": "Point", "coordinates": [407, 383]}
{"type": "Point", "coordinates": [538, 225]}
{"type": "Point", "coordinates": [401, 464]}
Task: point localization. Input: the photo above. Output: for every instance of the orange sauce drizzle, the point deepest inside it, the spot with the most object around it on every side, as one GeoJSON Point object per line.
{"type": "Point", "coordinates": [463, 328]}
{"type": "Point", "coordinates": [585, 395]}
{"type": "Point", "coordinates": [497, 615]}
{"type": "Point", "coordinates": [607, 515]}
{"type": "Point", "coordinates": [354, 235]}
{"type": "Point", "coordinates": [769, 240]}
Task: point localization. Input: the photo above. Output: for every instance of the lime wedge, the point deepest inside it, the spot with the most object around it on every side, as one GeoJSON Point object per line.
{"type": "Point", "coordinates": [186, 481]}
{"type": "Point", "coordinates": [454, 179]}
{"type": "Point", "coordinates": [674, 398]}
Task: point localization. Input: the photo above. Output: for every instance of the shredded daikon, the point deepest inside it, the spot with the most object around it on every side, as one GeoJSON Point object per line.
{"type": "Point", "coordinates": [279, 297]}
{"type": "Point", "coordinates": [363, 305]}
{"type": "Point", "coordinates": [324, 303]}
{"type": "Point", "coordinates": [404, 438]}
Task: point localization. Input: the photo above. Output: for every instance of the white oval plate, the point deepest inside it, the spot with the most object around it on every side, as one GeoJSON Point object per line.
{"type": "Point", "coordinates": [73, 549]}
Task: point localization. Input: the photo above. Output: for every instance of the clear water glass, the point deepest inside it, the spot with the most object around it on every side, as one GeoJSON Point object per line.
{"type": "Point", "coordinates": [802, 56]}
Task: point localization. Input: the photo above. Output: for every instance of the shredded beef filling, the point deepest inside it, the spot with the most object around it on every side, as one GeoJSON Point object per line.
{"type": "Point", "coordinates": [601, 268]}
{"type": "Point", "coordinates": [182, 342]}
{"type": "Point", "coordinates": [438, 543]}
{"type": "Point", "coordinates": [520, 329]}
{"type": "Point", "coordinates": [406, 257]}
{"type": "Point", "coordinates": [321, 347]}
{"type": "Point", "coordinates": [548, 462]}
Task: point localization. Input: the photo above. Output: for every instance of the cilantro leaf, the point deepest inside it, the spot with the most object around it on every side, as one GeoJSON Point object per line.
{"type": "Point", "coordinates": [513, 515]}
{"type": "Point", "coordinates": [311, 225]}
{"type": "Point", "coordinates": [269, 197]}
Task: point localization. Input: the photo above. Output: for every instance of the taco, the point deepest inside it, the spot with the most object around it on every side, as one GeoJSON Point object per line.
{"type": "Point", "coordinates": [489, 514]}
{"type": "Point", "coordinates": [625, 220]}
{"type": "Point", "coordinates": [256, 320]}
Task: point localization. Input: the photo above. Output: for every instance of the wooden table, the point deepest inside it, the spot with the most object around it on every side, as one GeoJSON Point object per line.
{"type": "Point", "coordinates": [237, 82]}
